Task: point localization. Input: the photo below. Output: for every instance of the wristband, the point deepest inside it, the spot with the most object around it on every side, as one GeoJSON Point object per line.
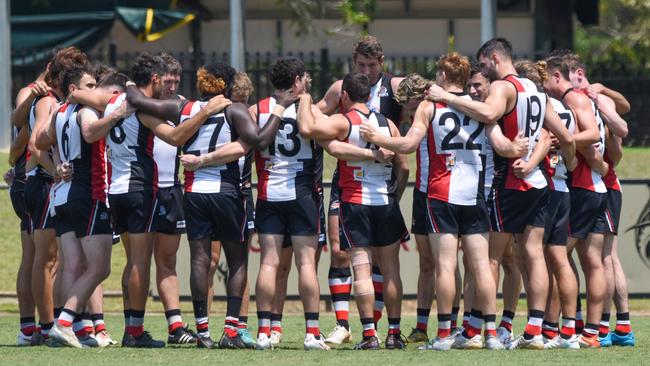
{"type": "Point", "coordinates": [278, 110]}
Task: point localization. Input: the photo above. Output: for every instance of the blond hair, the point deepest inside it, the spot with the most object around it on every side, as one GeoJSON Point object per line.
{"type": "Point", "coordinates": [533, 71]}
{"type": "Point", "coordinates": [413, 86]}
{"type": "Point", "coordinates": [242, 87]}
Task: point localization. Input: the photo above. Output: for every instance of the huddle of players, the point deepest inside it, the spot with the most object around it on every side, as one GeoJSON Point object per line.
{"type": "Point", "coordinates": [286, 133]}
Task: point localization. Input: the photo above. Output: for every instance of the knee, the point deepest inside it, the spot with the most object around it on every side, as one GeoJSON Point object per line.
{"type": "Point", "coordinates": [166, 263]}
{"type": "Point", "coordinates": [100, 272]}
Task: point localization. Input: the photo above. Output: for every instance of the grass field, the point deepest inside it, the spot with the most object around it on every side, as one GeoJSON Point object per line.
{"type": "Point", "coordinates": [290, 351]}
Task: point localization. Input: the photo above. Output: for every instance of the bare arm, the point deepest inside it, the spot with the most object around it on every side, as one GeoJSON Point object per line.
{"type": "Point", "coordinates": [522, 168]}
{"type": "Point", "coordinates": [621, 103]}
{"type": "Point", "coordinates": [44, 111]}
{"type": "Point", "coordinates": [585, 119]}
{"type": "Point", "coordinates": [24, 100]}
{"type": "Point", "coordinates": [323, 128]}
{"type": "Point", "coordinates": [94, 128]}
{"type": "Point", "coordinates": [614, 149]}
{"type": "Point", "coordinates": [401, 166]}
{"type": "Point", "coordinates": [178, 135]}
{"type": "Point", "coordinates": [503, 146]}
{"type": "Point", "coordinates": [224, 154]}
{"type": "Point", "coordinates": [348, 152]}
{"type": "Point", "coordinates": [18, 145]}
{"type": "Point", "coordinates": [615, 123]}
{"type": "Point", "coordinates": [568, 146]}
{"type": "Point", "coordinates": [330, 101]}
{"type": "Point", "coordinates": [487, 112]}
{"type": "Point", "coordinates": [96, 98]}
{"type": "Point", "coordinates": [402, 144]}
{"type": "Point", "coordinates": [165, 109]}
{"type": "Point", "coordinates": [249, 131]}
{"type": "Point", "coordinates": [594, 159]}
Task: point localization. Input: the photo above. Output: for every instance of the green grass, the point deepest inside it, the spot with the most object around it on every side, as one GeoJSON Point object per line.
{"type": "Point", "coordinates": [290, 350]}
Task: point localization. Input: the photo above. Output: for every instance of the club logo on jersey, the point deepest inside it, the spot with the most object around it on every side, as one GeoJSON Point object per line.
{"type": "Point", "coordinates": [555, 159]}
{"type": "Point", "coordinates": [359, 174]}
{"type": "Point", "coordinates": [450, 160]}
{"type": "Point", "coordinates": [383, 92]}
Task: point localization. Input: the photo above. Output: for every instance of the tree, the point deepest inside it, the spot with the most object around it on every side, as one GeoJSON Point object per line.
{"type": "Point", "coordinates": [356, 15]}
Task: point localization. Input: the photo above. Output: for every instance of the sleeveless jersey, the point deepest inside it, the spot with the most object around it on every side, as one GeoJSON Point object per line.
{"type": "Point", "coordinates": [288, 168]}
{"type": "Point", "coordinates": [130, 153]}
{"type": "Point", "coordinates": [19, 167]}
{"type": "Point", "coordinates": [611, 179]}
{"type": "Point", "coordinates": [381, 99]}
{"type": "Point", "coordinates": [365, 182]}
{"type": "Point", "coordinates": [583, 176]}
{"type": "Point", "coordinates": [526, 117]}
{"type": "Point", "coordinates": [489, 165]}
{"type": "Point", "coordinates": [422, 167]}
{"type": "Point", "coordinates": [456, 157]}
{"type": "Point", "coordinates": [88, 160]}
{"type": "Point", "coordinates": [245, 170]}
{"type": "Point", "coordinates": [215, 132]}
{"type": "Point", "coordinates": [554, 164]}
{"type": "Point", "coordinates": [167, 160]}
{"type": "Point", "coordinates": [39, 170]}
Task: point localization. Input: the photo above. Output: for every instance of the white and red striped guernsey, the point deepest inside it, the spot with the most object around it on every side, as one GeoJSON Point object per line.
{"type": "Point", "coordinates": [39, 170]}
{"type": "Point", "coordinates": [365, 182]}
{"type": "Point", "coordinates": [422, 168]}
{"type": "Point", "coordinates": [526, 117]}
{"type": "Point", "coordinates": [215, 132]}
{"type": "Point", "coordinates": [583, 176]}
{"type": "Point", "coordinates": [130, 153]}
{"type": "Point", "coordinates": [456, 157]}
{"type": "Point", "coordinates": [88, 160]}
{"type": "Point", "coordinates": [554, 164]}
{"type": "Point", "coordinates": [287, 168]}
{"type": "Point", "coordinates": [611, 179]}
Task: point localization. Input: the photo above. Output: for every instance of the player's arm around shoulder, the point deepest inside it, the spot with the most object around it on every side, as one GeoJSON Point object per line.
{"type": "Point", "coordinates": [585, 119]}
{"type": "Point", "coordinates": [402, 144]}
{"type": "Point", "coordinates": [400, 163]}
{"type": "Point", "coordinates": [330, 101]}
{"type": "Point", "coordinates": [313, 124]}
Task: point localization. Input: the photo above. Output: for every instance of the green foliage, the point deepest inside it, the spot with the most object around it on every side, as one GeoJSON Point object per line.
{"type": "Point", "coordinates": [358, 12]}
{"type": "Point", "coordinates": [620, 45]}
{"type": "Point", "coordinates": [356, 15]}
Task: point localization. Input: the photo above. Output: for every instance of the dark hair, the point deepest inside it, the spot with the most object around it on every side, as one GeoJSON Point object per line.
{"type": "Point", "coordinates": [557, 63]}
{"type": "Point", "coordinates": [476, 69]}
{"type": "Point", "coordinates": [357, 85]}
{"type": "Point", "coordinates": [561, 52]}
{"type": "Point", "coordinates": [100, 70]}
{"type": "Point", "coordinates": [145, 67]}
{"type": "Point", "coordinates": [215, 79]}
{"type": "Point", "coordinates": [173, 67]}
{"type": "Point", "coordinates": [73, 76]}
{"type": "Point", "coordinates": [64, 59]}
{"type": "Point", "coordinates": [284, 71]}
{"type": "Point", "coordinates": [116, 79]}
{"type": "Point", "coordinates": [368, 46]}
{"type": "Point", "coordinates": [498, 45]}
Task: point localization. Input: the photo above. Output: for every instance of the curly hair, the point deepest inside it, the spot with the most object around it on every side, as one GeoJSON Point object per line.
{"type": "Point", "coordinates": [284, 71]}
{"type": "Point", "coordinates": [533, 71]}
{"type": "Point", "coordinates": [215, 79]}
{"type": "Point", "coordinates": [456, 68]}
{"type": "Point", "coordinates": [64, 59]}
{"type": "Point", "coordinates": [173, 66]}
{"type": "Point", "coordinates": [145, 67]}
{"type": "Point", "coordinates": [412, 87]}
{"type": "Point", "coordinates": [242, 87]}
{"type": "Point", "coordinates": [368, 46]}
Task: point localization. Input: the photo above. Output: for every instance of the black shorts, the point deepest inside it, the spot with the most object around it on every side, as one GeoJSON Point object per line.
{"type": "Point", "coordinates": [218, 216]}
{"type": "Point", "coordinates": [322, 233]}
{"type": "Point", "coordinates": [512, 210]}
{"type": "Point", "coordinates": [249, 209]}
{"type": "Point", "coordinates": [171, 217]}
{"type": "Point", "coordinates": [37, 201]}
{"type": "Point", "coordinates": [84, 218]}
{"type": "Point", "coordinates": [419, 216]}
{"type": "Point", "coordinates": [448, 218]}
{"type": "Point", "coordinates": [363, 226]}
{"type": "Point", "coordinates": [613, 210]}
{"type": "Point", "coordinates": [558, 212]}
{"type": "Point", "coordinates": [587, 213]}
{"type": "Point", "coordinates": [18, 203]}
{"type": "Point", "coordinates": [296, 217]}
{"type": "Point", "coordinates": [335, 195]}
{"type": "Point", "coordinates": [134, 212]}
